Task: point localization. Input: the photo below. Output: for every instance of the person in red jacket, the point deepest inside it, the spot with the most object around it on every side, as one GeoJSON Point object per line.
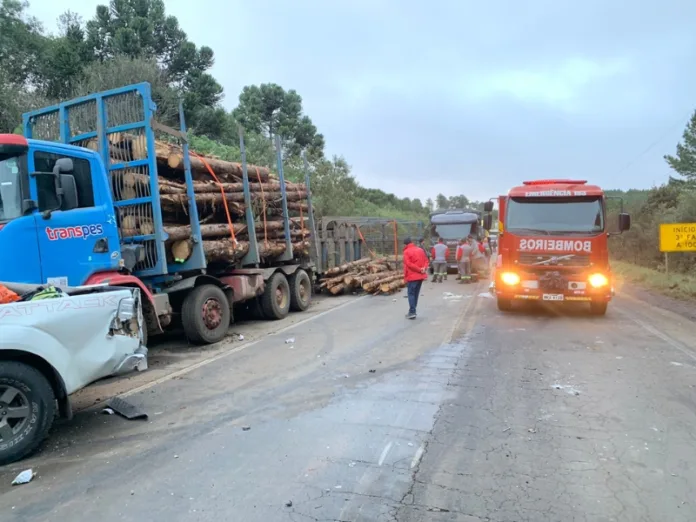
{"type": "Point", "coordinates": [415, 272]}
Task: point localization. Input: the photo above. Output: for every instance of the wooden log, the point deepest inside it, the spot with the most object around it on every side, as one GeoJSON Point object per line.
{"type": "Point", "coordinates": [368, 278]}
{"type": "Point", "coordinates": [224, 170]}
{"type": "Point", "coordinates": [180, 232]}
{"type": "Point", "coordinates": [374, 285]}
{"type": "Point", "coordinates": [377, 267]}
{"type": "Point", "coordinates": [225, 250]}
{"type": "Point", "coordinates": [388, 288]}
{"type": "Point", "coordinates": [217, 230]}
{"type": "Point", "coordinates": [211, 186]}
{"type": "Point", "coordinates": [147, 226]}
{"type": "Point", "coordinates": [297, 205]}
{"type": "Point", "coordinates": [332, 281]}
{"type": "Point", "coordinates": [178, 203]}
{"type": "Point", "coordinates": [181, 250]}
{"type": "Point", "coordinates": [238, 197]}
{"type": "Point", "coordinates": [337, 289]}
{"type": "Point", "coordinates": [347, 266]}
{"type": "Point", "coordinates": [129, 178]}
{"type": "Point", "coordinates": [354, 279]}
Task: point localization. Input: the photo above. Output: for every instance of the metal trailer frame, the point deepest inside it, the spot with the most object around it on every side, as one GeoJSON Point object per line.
{"type": "Point", "coordinates": [131, 109]}
{"type": "Point", "coordinates": [340, 239]}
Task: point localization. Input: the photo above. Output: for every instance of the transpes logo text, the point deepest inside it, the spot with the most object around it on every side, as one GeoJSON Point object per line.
{"type": "Point", "coordinates": [76, 232]}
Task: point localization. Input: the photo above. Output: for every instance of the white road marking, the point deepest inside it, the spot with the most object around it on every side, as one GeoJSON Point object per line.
{"type": "Point", "coordinates": [657, 333]}
{"type": "Point", "coordinates": [384, 454]}
{"type": "Point", "coordinates": [417, 456]}
{"type": "Point", "coordinates": [238, 349]}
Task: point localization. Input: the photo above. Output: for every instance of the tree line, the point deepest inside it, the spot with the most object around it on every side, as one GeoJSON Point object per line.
{"type": "Point", "coordinates": [132, 41]}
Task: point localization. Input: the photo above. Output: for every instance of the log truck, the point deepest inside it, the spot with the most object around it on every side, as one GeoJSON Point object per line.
{"type": "Point", "coordinates": [62, 221]}
{"type": "Point", "coordinates": [552, 244]}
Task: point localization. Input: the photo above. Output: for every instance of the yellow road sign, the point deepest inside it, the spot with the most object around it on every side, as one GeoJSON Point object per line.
{"type": "Point", "coordinates": [678, 237]}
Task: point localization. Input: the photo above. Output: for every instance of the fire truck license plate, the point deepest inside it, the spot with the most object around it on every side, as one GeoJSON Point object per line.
{"type": "Point", "coordinates": [552, 297]}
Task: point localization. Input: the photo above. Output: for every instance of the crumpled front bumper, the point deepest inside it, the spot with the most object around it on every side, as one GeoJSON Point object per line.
{"type": "Point", "coordinates": [127, 328]}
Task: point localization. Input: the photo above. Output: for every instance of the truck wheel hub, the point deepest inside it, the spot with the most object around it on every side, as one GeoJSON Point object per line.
{"type": "Point", "coordinates": [212, 314]}
{"type": "Point", "coordinates": [280, 297]}
{"type": "Point", "coordinates": [14, 411]}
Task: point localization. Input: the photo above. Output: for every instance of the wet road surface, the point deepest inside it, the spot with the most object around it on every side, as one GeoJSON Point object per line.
{"type": "Point", "coordinates": [357, 414]}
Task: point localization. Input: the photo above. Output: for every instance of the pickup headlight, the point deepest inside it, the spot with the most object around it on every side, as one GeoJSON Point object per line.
{"type": "Point", "coordinates": [128, 316]}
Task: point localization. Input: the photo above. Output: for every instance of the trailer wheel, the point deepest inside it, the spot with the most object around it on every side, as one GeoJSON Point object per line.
{"type": "Point", "coordinates": [598, 307]}
{"type": "Point", "coordinates": [205, 314]}
{"type": "Point", "coordinates": [504, 305]}
{"type": "Point", "coordinates": [275, 301]}
{"type": "Point", "coordinates": [27, 410]}
{"type": "Point", "coordinates": [300, 291]}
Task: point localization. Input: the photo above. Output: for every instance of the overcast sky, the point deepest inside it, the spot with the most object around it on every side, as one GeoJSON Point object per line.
{"type": "Point", "coordinates": [463, 97]}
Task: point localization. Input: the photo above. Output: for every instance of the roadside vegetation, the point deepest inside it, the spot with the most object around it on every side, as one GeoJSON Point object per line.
{"type": "Point", "coordinates": [679, 285]}
{"type": "Point", "coordinates": [638, 250]}
{"type": "Point", "coordinates": [131, 41]}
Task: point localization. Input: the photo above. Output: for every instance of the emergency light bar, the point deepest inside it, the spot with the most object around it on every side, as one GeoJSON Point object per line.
{"type": "Point", "coordinates": [555, 182]}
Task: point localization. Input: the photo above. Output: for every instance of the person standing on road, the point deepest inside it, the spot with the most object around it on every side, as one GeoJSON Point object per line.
{"type": "Point", "coordinates": [488, 253]}
{"type": "Point", "coordinates": [477, 255]}
{"type": "Point", "coordinates": [439, 254]}
{"type": "Point", "coordinates": [415, 272]}
{"type": "Point", "coordinates": [464, 260]}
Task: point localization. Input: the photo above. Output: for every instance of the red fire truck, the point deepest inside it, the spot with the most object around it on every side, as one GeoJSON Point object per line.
{"type": "Point", "coordinates": [553, 244]}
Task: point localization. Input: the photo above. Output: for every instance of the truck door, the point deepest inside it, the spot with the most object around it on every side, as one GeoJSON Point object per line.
{"type": "Point", "coordinates": [19, 249]}
{"type": "Point", "coordinates": [77, 242]}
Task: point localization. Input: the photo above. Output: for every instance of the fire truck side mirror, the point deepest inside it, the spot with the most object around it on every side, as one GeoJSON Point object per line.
{"type": "Point", "coordinates": [488, 221]}
{"type": "Point", "coordinates": [624, 222]}
{"type": "Point", "coordinates": [488, 206]}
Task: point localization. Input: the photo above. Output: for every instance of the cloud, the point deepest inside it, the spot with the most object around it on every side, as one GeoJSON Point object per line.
{"type": "Point", "coordinates": [460, 97]}
{"type": "Point", "coordinates": [563, 86]}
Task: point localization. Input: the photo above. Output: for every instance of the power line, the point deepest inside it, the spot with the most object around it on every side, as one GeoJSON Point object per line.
{"type": "Point", "coordinates": [654, 144]}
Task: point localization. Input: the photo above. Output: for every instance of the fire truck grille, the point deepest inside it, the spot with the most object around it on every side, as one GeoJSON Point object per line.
{"type": "Point", "coordinates": [554, 260]}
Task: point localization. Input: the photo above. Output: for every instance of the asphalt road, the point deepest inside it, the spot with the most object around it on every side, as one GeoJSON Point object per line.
{"type": "Point", "coordinates": [357, 414]}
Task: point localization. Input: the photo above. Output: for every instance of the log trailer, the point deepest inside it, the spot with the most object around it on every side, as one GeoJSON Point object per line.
{"type": "Point", "coordinates": [63, 220]}
{"type": "Point", "coordinates": [552, 244]}
{"type": "Point", "coordinates": [452, 226]}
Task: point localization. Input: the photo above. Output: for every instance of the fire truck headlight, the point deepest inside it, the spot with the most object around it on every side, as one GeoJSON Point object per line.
{"type": "Point", "coordinates": [598, 280]}
{"type": "Point", "coordinates": [510, 278]}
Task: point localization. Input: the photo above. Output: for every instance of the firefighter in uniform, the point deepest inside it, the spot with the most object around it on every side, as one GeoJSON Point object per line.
{"type": "Point", "coordinates": [439, 254]}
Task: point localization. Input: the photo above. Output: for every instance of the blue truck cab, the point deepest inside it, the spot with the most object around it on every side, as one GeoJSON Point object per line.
{"type": "Point", "coordinates": [49, 234]}
{"type": "Point", "coordinates": [70, 214]}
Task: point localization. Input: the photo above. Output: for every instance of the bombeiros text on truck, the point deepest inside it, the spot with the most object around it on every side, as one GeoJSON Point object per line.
{"type": "Point", "coordinates": [98, 191]}
{"type": "Point", "coordinates": [552, 244]}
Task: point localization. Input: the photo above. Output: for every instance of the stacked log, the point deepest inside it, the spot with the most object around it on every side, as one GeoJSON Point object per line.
{"type": "Point", "coordinates": [219, 198]}
{"type": "Point", "coordinates": [371, 275]}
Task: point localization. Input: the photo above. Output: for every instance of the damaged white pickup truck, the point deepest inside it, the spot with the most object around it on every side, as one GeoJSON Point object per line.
{"type": "Point", "coordinates": [54, 342]}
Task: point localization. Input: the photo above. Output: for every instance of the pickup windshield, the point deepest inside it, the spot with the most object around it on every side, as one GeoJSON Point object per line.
{"type": "Point", "coordinates": [10, 188]}
{"type": "Point", "coordinates": [555, 216]}
{"type": "Point", "coordinates": [452, 230]}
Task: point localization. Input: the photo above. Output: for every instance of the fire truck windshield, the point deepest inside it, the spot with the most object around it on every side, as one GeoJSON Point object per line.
{"type": "Point", "coordinates": [555, 216]}
{"type": "Point", "coordinates": [452, 230]}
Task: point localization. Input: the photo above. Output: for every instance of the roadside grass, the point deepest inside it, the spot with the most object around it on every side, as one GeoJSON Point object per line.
{"type": "Point", "coordinates": [681, 286]}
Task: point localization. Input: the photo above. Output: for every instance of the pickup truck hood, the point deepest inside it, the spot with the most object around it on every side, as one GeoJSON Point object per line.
{"type": "Point", "coordinates": [87, 335]}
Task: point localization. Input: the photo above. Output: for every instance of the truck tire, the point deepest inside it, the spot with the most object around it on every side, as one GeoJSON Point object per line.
{"type": "Point", "coordinates": [300, 291]}
{"type": "Point", "coordinates": [275, 301]}
{"type": "Point", "coordinates": [27, 410]}
{"type": "Point", "coordinates": [205, 315]}
{"type": "Point", "coordinates": [598, 307]}
{"type": "Point", "coordinates": [504, 305]}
